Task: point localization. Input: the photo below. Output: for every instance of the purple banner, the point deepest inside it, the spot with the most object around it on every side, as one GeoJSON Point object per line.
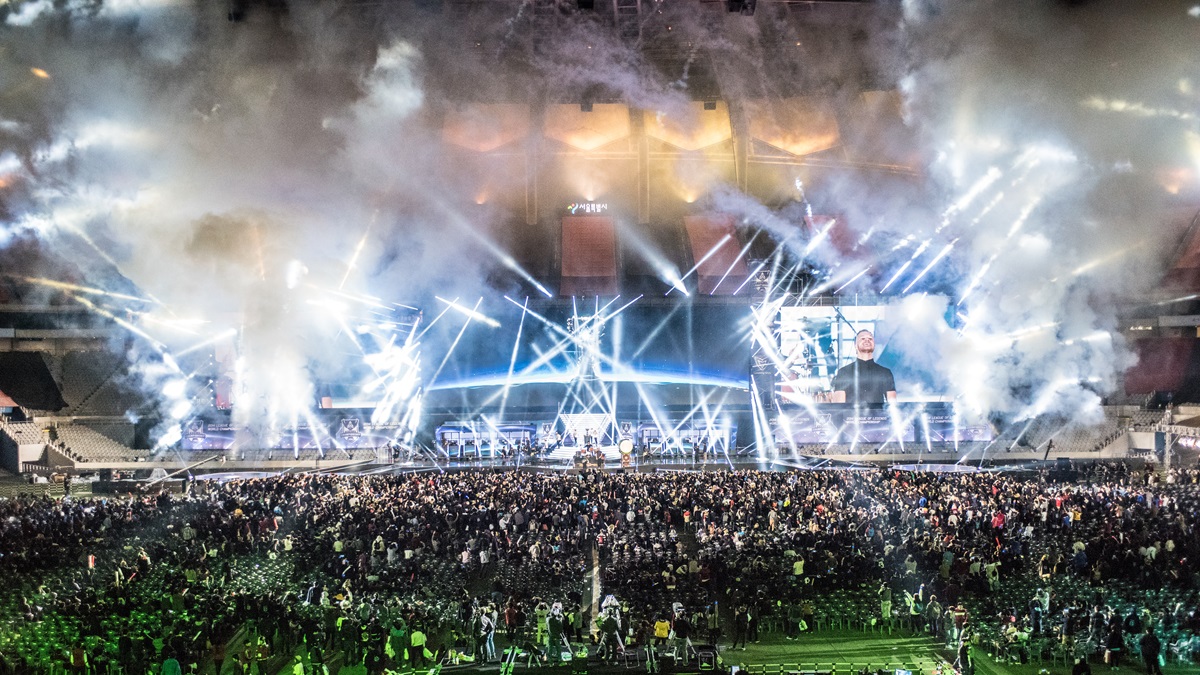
{"type": "Point", "coordinates": [840, 424]}
{"type": "Point", "coordinates": [340, 432]}
{"type": "Point", "coordinates": [202, 435]}
{"type": "Point", "coordinates": [943, 428]}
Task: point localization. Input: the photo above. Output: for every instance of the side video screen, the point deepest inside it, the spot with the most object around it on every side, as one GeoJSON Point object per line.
{"type": "Point", "coordinates": [837, 376]}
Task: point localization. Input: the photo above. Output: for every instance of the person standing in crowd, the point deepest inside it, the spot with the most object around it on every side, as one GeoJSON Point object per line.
{"type": "Point", "coordinates": [487, 636]}
{"type": "Point", "coordinates": [807, 612]}
{"type": "Point", "coordinates": [794, 615]}
{"type": "Point", "coordinates": [712, 619]}
{"type": "Point", "coordinates": [741, 627]}
{"type": "Point", "coordinates": [752, 623]}
{"type": "Point", "coordinates": [1151, 651]}
{"type": "Point", "coordinates": [647, 638]}
{"type": "Point", "coordinates": [1114, 643]}
{"type": "Point", "coordinates": [662, 632]}
{"type": "Point", "coordinates": [959, 625]}
{"type": "Point", "coordinates": [416, 649]}
{"type": "Point", "coordinates": [962, 662]}
{"type": "Point", "coordinates": [991, 572]}
{"type": "Point", "coordinates": [933, 614]}
{"type": "Point", "coordinates": [798, 569]}
{"type": "Point", "coordinates": [885, 602]}
{"type": "Point", "coordinates": [683, 636]}
{"type": "Point", "coordinates": [541, 613]}
{"type": "Point", "coordinates": [574, 623]}
{"type": "Point", "coordinates": [610, 636]}
{"type": "Point", "coordinates": [556, 640]}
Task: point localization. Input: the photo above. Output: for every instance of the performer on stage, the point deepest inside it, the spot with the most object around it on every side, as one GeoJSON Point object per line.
{"type": "Point", "coordinates": [863, 382]}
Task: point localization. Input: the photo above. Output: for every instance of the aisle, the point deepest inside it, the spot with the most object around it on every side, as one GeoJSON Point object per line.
{"type": "Point", "coordinates": [592, 595]}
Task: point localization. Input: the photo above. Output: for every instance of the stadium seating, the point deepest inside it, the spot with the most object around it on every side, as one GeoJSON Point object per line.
{"type": "Point", "coordinates": [1144, 419]}
{"type": "Point", "coordinates": [23, 433]}
{"type": "Point", "coordinates": [93, 384]}
{"type": "Point", "coordinates": [81, 374]}
{"type": "Point", "coordinates": [87, 445]}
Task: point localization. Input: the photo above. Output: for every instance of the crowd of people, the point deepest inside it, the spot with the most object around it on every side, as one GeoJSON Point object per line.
{"type": "Point", "coordinates": [379, 572]}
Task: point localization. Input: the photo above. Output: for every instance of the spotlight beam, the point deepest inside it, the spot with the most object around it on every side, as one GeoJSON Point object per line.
{"type": "Point", "coordinates": [762, 425]}
{"type": "Point", "coordinates": [1089, 266]}
{"type": "Point", "coordinates": [692, 413]}
{"type": "Point", "coordinates": [512, 361]}
{"type": "Point", "coordinates": [454, 344]}
{"type": "Point", "coordinates": [350, 266]}
{"type": "Point", "coordinates": [991, 176]}
{"type": "Point", "coordinates": [750, 276]}
{"type": "Point", "coordinates": [945, 250]}
{"type": "Point", "coordinates": [470, 313]}
{"type": "Point", "coordinates": [558, 348]}
{"type": "Point", "coordinates": [656, 415]}
{"type": "Point", "coordinates": [162, 348]}
{"type": "Point", "coordinates": [367, 300]}
{"type": "Point", "coordinates": [987, 208]}
{"type": "Point", "coordinates": [821, 236]}
{"type": "Point", "coordinates": [431, 323]}
{"type": "Point", "coordinates": [833, 279]}
{"type": "Point", "coordinates": [572, 339]}
{"type": "Point", "coordinates": [741, 254]}
{"type": "Point", "coordinates": [75, 288]}
{"type": "Point", "coordinates": [1016, 227]}
{"type": "Point", "coordinates": [654, 333]}
{"type": "Point", "coordinates": [219, 336]}
{"type": "Point", "coordinates": [456, 219]}
{"type": "Point", "coordinates": [703, 259]}
{"type": "Point", "coordinates": [622, 308]}
{"type": "Point", "coordinates": [920, 249]}
{"type": "Point", "coordinates": [667, 272]}
{"type": "Point", "coordinates": [853, 279]}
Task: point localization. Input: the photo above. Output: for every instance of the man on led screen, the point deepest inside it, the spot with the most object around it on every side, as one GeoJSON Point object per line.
{"type": "Point", "coordinates": [863, 382]}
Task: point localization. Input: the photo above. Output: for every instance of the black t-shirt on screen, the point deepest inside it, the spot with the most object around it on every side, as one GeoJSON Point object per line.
{"type": "Point", "coordinates": [865, 382]}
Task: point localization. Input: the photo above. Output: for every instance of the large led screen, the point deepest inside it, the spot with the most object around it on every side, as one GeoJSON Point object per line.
{"type": "Point", "coordinates": [835, 379]}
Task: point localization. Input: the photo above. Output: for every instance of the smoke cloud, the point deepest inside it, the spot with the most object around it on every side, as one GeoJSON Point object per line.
{"type": "Point", "coordinates": [210, 161]}
{"type": "Point", "coordinates": [1056, 208]}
